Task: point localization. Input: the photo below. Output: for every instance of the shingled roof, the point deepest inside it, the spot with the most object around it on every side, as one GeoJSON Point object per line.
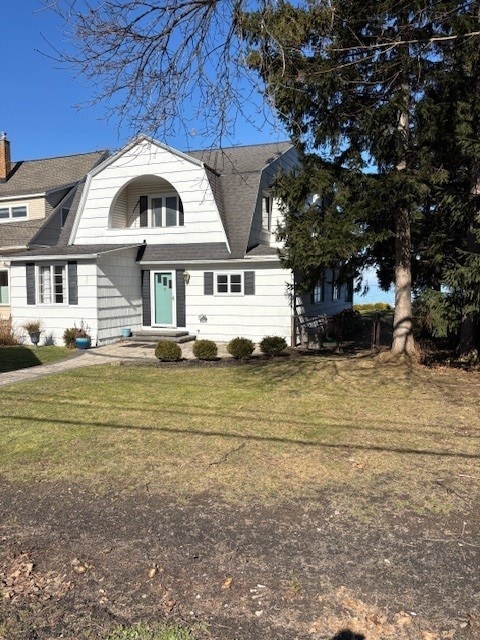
{"type": "Point", "coordinates": [47, 174]}
{"type": "Point", "coordinates": [239, 171]}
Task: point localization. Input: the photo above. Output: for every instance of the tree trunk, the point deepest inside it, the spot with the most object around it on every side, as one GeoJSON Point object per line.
{"type": "Point", "coordinates": [402, 342]}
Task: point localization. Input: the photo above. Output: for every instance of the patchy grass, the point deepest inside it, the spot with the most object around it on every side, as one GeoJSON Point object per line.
{"type": "Point", "coordinates": [363, 432]}
{"type": "Point", "coordinates": [147, 632]}
{"type": "Point", "coordinates": [22, 357]}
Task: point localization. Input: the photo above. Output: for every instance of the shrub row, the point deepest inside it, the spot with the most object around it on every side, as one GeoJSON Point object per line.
{"type": "Point", "coordinates": [239, 348]}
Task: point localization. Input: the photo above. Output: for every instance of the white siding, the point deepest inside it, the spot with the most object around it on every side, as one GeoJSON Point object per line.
{"type": "Point", "coordinates": [35, 208]}
{"type": "Point", "coordinates": [268, 312]}
{"type": "Point", "coordinates": [258, 235]}
{"type": "Point", "coordinates": [55, 317]}
{"type": "Point", "coordinates": [202, 219]}
{"type": "Point", "coordinates": [119, 295]}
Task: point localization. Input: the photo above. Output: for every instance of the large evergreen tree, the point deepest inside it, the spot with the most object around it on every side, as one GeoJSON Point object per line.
{"type": "Point", "coordinates": [353, 83]}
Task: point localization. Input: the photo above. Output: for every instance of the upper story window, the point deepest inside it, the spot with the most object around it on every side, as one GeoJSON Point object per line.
{"type": "Point", "coordinates": [267, 208]}
{"type": "Point", "coordinates": [13, 212]}
{"type": "Point", "coordinates": [319, 291]}
{"type": "Point", "coordinates": [165, 210]}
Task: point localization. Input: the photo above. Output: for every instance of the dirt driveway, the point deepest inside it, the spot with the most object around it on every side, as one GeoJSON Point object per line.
{"type": "Point", "coordinates": [74, 564]}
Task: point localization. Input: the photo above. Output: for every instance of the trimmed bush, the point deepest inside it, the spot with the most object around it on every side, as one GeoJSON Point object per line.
{"type": "Point", "coordinates": [168, 351]}
{"type": "Point", "coordinates": [273, 345]}
{"type": "Point", "coordinates": [240, 348]}
{"type": "Point", "coordinates": [205, 350]}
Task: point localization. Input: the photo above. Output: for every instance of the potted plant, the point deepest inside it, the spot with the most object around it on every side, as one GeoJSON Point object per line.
{"type": "Point", "coordinates": [82, 337]}
{"type": "Point", "coordinates": [34, 329]}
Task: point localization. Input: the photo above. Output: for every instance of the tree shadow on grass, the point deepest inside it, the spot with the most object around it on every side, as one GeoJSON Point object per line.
{"type": "Point", "coordinates": [13, 358]}
{"type": "Point", "coordinates": [346, 634]}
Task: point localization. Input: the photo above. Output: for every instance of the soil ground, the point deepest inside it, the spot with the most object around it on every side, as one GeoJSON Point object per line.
{"type": "Point", "coordinates": [74, 564]}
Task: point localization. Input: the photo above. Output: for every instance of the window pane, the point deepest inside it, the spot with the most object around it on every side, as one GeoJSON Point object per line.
{"type": "Point", "coordinates": [4, 213]}
{"type": "Point", "coordinates": [222, 283]}
{"type": "Point", "coordinates": [236, 283]}
{"type": "Point", "coordinates": [3, 287]}
{"type": "Point", "coordinates": [19, 212]}
{"type": "Point", "coordinates": [157, 212]}
{"type": "Point", "coordinates": [59, 283]}
{"type": "Point", "coordinates": [171, 211]}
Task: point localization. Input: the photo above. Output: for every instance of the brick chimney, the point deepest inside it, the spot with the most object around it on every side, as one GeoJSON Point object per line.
{"type": "Point", "coordinates": [5, 162]}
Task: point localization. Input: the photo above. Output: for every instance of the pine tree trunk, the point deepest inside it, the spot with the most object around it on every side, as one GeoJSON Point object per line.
{"type": "Point", "coordinates": [402, 342]}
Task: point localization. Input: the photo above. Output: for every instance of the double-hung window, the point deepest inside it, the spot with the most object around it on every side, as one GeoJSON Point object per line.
{"type": "Point", "coordinates": [228, 283]}
{"type": "Point", "coordinates": [319, 291]}
{"type": "Point", "coordinates": [14, 212]}
{"type": "Point", "coordinates": [165, 210]}
{"type": "Point", "coordinates": [52, 284]}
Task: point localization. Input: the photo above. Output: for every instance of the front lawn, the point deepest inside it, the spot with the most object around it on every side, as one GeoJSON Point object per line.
{"type": "Point", "coordinates": [22, 357]}
{"type": "Point", "coordinates": [260, 431]}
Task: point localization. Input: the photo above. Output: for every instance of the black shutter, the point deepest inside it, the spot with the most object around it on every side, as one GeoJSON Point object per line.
{"type": "Point", "coordinates": [181, 215]}
{"type": "Point", "coordinates": [312, 296]}
{"type": "Point", "coordinates": [147, 309]}
{"type": "Point", "coordinates": [143, 211]}
{"type": "Point", "coordinates": [249, 286]}
{"type": "Point", "coordinates": [30, 280]}
{"type": "Point", "coordinates": [180, 286]}
{"type": "Point", "coordinates": [72, 283]}
{"type": "Point", "coordinates": [208, 283]}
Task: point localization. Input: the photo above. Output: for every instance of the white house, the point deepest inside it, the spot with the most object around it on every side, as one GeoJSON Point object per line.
{"type": "Point", "coordinates": [160, 240]}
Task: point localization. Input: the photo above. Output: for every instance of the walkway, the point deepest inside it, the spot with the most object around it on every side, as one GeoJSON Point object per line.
{"type": "Point", "coordinates": [117, 352]}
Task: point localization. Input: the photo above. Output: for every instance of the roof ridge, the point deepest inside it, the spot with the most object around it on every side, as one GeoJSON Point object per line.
{"type": "Point", "coordinates": [239, 146]}
{"type": "Point", "coordinates": [70, 155]}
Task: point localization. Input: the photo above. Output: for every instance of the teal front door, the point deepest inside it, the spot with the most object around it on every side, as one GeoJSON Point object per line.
{"type": "Point", "coordinates": [163, 292]}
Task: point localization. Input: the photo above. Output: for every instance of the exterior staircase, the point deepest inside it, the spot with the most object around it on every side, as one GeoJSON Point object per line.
{"type": "Point", "coordinates": [155, 335]}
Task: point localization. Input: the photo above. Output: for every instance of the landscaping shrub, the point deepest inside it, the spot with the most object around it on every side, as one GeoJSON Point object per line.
{"type": "Point", "coordinates": [69, 336]}
{"type": "Point", "coordinates": [240, 348]}
{"type": "Point", "coordinates": [273, 345]}
{"type": "Point", "coordinates": [205, 350]}
{"type": "Point", "coordinates": [346, 325]}
{"type": "Point", "coordinates": [168, 351]}
{"type": "Point", "coordinates": [7, 335]}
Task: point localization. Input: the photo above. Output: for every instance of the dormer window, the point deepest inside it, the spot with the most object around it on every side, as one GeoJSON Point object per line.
{"type": "Point", "coordinates": [267, 203]}
{"type": "Point", "coordinates": [14, 212]}
{"type": "Point", "coordinates": [165, 210]}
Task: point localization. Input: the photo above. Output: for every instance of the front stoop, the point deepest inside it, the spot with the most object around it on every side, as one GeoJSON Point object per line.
{"type": "Point", "coordinates": [155, 335]}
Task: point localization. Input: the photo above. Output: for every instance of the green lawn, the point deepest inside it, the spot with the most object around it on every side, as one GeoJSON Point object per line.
{"type": "Point", "coordinates": [21, 357]}
{"type": "Point", "coordinates": [284, 429]}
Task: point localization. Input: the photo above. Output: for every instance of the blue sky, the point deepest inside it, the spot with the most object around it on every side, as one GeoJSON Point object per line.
{"type": "Point", "coordinates": [41, 114]}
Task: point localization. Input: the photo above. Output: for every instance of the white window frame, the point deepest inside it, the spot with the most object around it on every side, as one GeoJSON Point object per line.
{"type": "Point", "coordinates": [267, 210]}
{"type": "Point", "coordinates": [52, 284]}
{"type": "Point", "coordinates": [10, 208]}
{"type": "Point", "coordinates": [319, 291]}
{"type": "Point", "coordinates": [163, 213]}
{"type": "Point", "coordinates": [229, 275]}
{"type": "Point", "coordinates": [4, 304]}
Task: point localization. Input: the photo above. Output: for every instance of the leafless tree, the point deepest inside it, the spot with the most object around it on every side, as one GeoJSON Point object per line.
{"type": "Point", "coordinates": [163, 66]}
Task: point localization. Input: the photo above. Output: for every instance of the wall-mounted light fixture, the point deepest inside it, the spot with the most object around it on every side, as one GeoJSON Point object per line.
{"type": "Point", "coordinates": [186, 277]}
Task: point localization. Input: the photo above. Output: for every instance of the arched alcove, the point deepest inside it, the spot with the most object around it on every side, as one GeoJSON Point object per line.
{"type": "Point", "coordinates": [146, 201]}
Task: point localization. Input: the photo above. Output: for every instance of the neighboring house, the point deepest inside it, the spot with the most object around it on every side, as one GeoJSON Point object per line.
{"type": "Point", "coordinates": [160, 240]}
{"type": "Point", "coordinates": [34, 195]}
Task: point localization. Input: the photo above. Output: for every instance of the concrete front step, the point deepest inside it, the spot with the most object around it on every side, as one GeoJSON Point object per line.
{"type": "Point", "coordinates": [176, 335]}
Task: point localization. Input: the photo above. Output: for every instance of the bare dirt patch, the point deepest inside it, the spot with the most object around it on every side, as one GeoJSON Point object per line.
{"type": "Point", "coordinates": [74, 563]}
